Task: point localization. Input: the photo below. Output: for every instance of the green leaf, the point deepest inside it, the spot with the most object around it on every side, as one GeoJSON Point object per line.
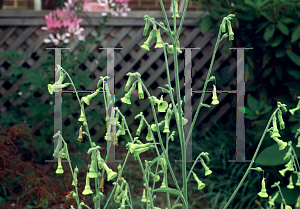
{"type": "Point", "coordinates": [294, 73]}
{"type": "Point", "coordinates": [251, 117]}
{"type": "Point", "coordinates": [266, 72]}
{"type": "Point", "coordinates": [271, 156]}
{"type": "Point", "coordinates": [205, 24]}
{"type": "Point", "coordinates": [296, 34]}
{"type": "Point", "coordinates": [266, 59]}
{"type": "Point", "coordinates": [266, 110]}
{"type": "Point", "coordinates": [278, 39]}
{"type": "Point", "coordinates": [250, 3]}
{"type": "Point", "coordinates": [290, 195]}
{"type": "Point", "coordinates": [283, 28]}
{"type": "Point", "coordinates": [269, 32]}
{"type": "Point", "coordinates": [262, 26]}
{"type": "Point", "coordinates": [246, 17]}
{"type": "Point", "coordinates": [252, 102]}
{"type": "Point", "coordinates": [288, 20]}
{"type": "Point", "coordinates": [295, 58]}
{"type": "Point", "coordinates": [172, 191]}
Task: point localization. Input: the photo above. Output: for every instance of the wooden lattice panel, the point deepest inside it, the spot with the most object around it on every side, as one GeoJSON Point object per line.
{"type": "Point", "coordinates": [28, 39]}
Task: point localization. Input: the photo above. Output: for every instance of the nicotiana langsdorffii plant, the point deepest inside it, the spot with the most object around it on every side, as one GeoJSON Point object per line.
{"type": "Point", "coordinates": [121, 189]}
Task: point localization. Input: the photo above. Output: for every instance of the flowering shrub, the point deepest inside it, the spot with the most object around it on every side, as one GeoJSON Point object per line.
{"type": "Point", "coordinates": [63, 24]}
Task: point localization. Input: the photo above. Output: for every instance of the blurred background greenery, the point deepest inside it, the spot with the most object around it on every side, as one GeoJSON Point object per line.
{"type": "Point", "coordinates": [271, 74]}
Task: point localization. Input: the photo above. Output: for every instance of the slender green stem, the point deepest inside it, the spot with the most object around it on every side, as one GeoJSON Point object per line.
{"type": "Point", "coordinates": [204, 88]}
{"type": "Point", "coordinates": [252, 161]}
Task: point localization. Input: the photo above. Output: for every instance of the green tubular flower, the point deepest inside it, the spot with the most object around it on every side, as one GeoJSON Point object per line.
{"type": "Point", "coordinates": [129, 81]}
{"type": "Point", "coordinates": [292, 111]}
{"type": "Point", "coordinates": [140, 89]}
{"type": "Point", "coordinates": [163, 184]}
{"type": "Point", "coordinates": [138, 131]}
{"type": "Point", "coordinates": [176, 11]}
{"type": "Point", "coordinates": [100, 160]}
{"type": "Point", "coordinates": [280, 143]}
{"type": "Point", "coordinates": [275, 130]}
{"type": "Point", "coordinates": [88, 98]}
{"type": "Point", "coordinates": [110, 173]}
{"type": "Point", "coordinates": [51, 87]}
{"type": "Point", "coordinates": [144, 199]}
{"type": "Point", "coordinates": [166, 128]}
{"type": "Point", "coordinates": [215, 100]}
{"type": "Point", "coordinates": [162, 105]}
{"type": "Point", "coordinates": [87, 189]}
{"type": "Point", "coordinates": [288, 207]}
{"type": "Point", "coordinates": [59, 169]}
{"type": "Point", "coordinates": [76, 170]}
{"type": "Point", "coordinates": [298, 144]}
{"type": "Point", "coordinates": [126, 98]}
{"type": "Point", "coordinates": [263, 192]}
{"type": "Point", "coordinates": [132, 147]}
{"type": "Point", "coordinates": [122, 127]}
{"type": "Point", "coordinates": [92, 173]}
{"type": "Point", "coordinates": [159, 43]}
{"type": "Point", "coordinates": [118, 197]}
{"type": "Point", "coordinates": [156, 177]}
{"type": "Point", "coordinates": [81, 118]}
{"type": "Point", "coordinates": [291, 185]}
{"type": "Point", "coordinates": [281, 122]}
{"type": "Point", "coordinates": [170, 49]}
{"type": "Point", "coordinates": [178, 48]}
{"type": "Point", "coordinates": [272, 201]}
{"type": "Point", "coordinates": [298, 182]}
{"type": "Point", "coordinates": [147, 25]}
{"type": "Point", "coordinates": [153, 126]}
{"type": "Point", "coordinates": [282, 172]}
{"type": "Point", "coordinates": [145, 46]}
{"type": "Point", "coordinates": [290, 163]}
{"type": "Point", "coordinates": [207, 170]}
{"type": "Point", "coordinates": [231, 34]}
{"type": "Point", "coordinates": [201, 185]}
{"type": "Point", "coordinates": [149, 135]}
{"type": "Point", "coordinates": [137, 152]}
{"type": "Point", "coordinates": [223, 25]}
{"type": "Point", "coordinates": [155, 35]}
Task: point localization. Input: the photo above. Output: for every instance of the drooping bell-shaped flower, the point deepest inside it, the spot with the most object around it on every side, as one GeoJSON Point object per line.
{"type": "Point", "coordinates": [231, 34]}
{"type": "Point", "coordinates": [126, 98]}
{"type": "Point", "coordinates": [298, 144]}
{"type": "Point", "coordinates": [162, 105]}
{"type": "Point", "coordinates": [281, 122]}
{"type": "Point", "coordinates": [176, 11]}
{"type": "Point", "coordinates": [263, 192]}
{"type": "Point", "coordinates": [178, 48]}
{"type": "Point", "coordinates": [149, 135]}
{"type": "Point", "coordinates": [282, 172]}
{"type": "Point", "coordinates": [280, 143]}
{"type": "Point", "coordinates": [88, 98]}
{"type": "Point", "coordinates": [145, 46]}
{"type": "Point", "coordinates": [138, 131]}
{"type": "Point", "coordinates": [159, 43]}
{"type": "Point", "coordinates": [51, 87]}
{"type": "Point", "coordinates": [207, 170]}
{"type": "Point", "coordinates": [163, 184]}
{"type": "Point", "coordinates": [80, 138]}
{"type": "Point", "coordinates": [81, 118]}
{"type": "Point", "coordinates": [156, 177]}
{"type": "Point", "coordinates": [129, 81]}
{"type": "Point", "coordinates": [201, 185]}
{"type": "Point", "coordinates": [110, 173]}
{"type": "Point", "coordinates": [76, 170]}
{"type": "Point", "coordinates": [132, 147]}
{"type": "Point", "coordinates": [137, 152]}
{"type": "Point", "coordinates": [272, 201]}
{"type": "Point", "coordinates": [292, 111]}
{"type": "Point", "coordinates": [144, 198]}
{"type": "Point", "coordinates": [59, 169]}
{"type": "Point", "coordinates": [101, 187]}
{"type": "Point", "coordinates": [87, 189]}
{"type": "Point", "coordinates": [153, 126]}
{"type": "Point", "coordinates": [92, 172]}
{"type": "Point", "coordinates": [215, 100]}
{"type": "Point", "coordinates": [291, 185]}
{"type": "Point", "coordinates": [275, 130]}
{"type": "Point", "coordinates": [147, 25]}
{"type": "Point", "coordinates": [170, 49]}
{"type": "Point", "coordinates": [166, 128]}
